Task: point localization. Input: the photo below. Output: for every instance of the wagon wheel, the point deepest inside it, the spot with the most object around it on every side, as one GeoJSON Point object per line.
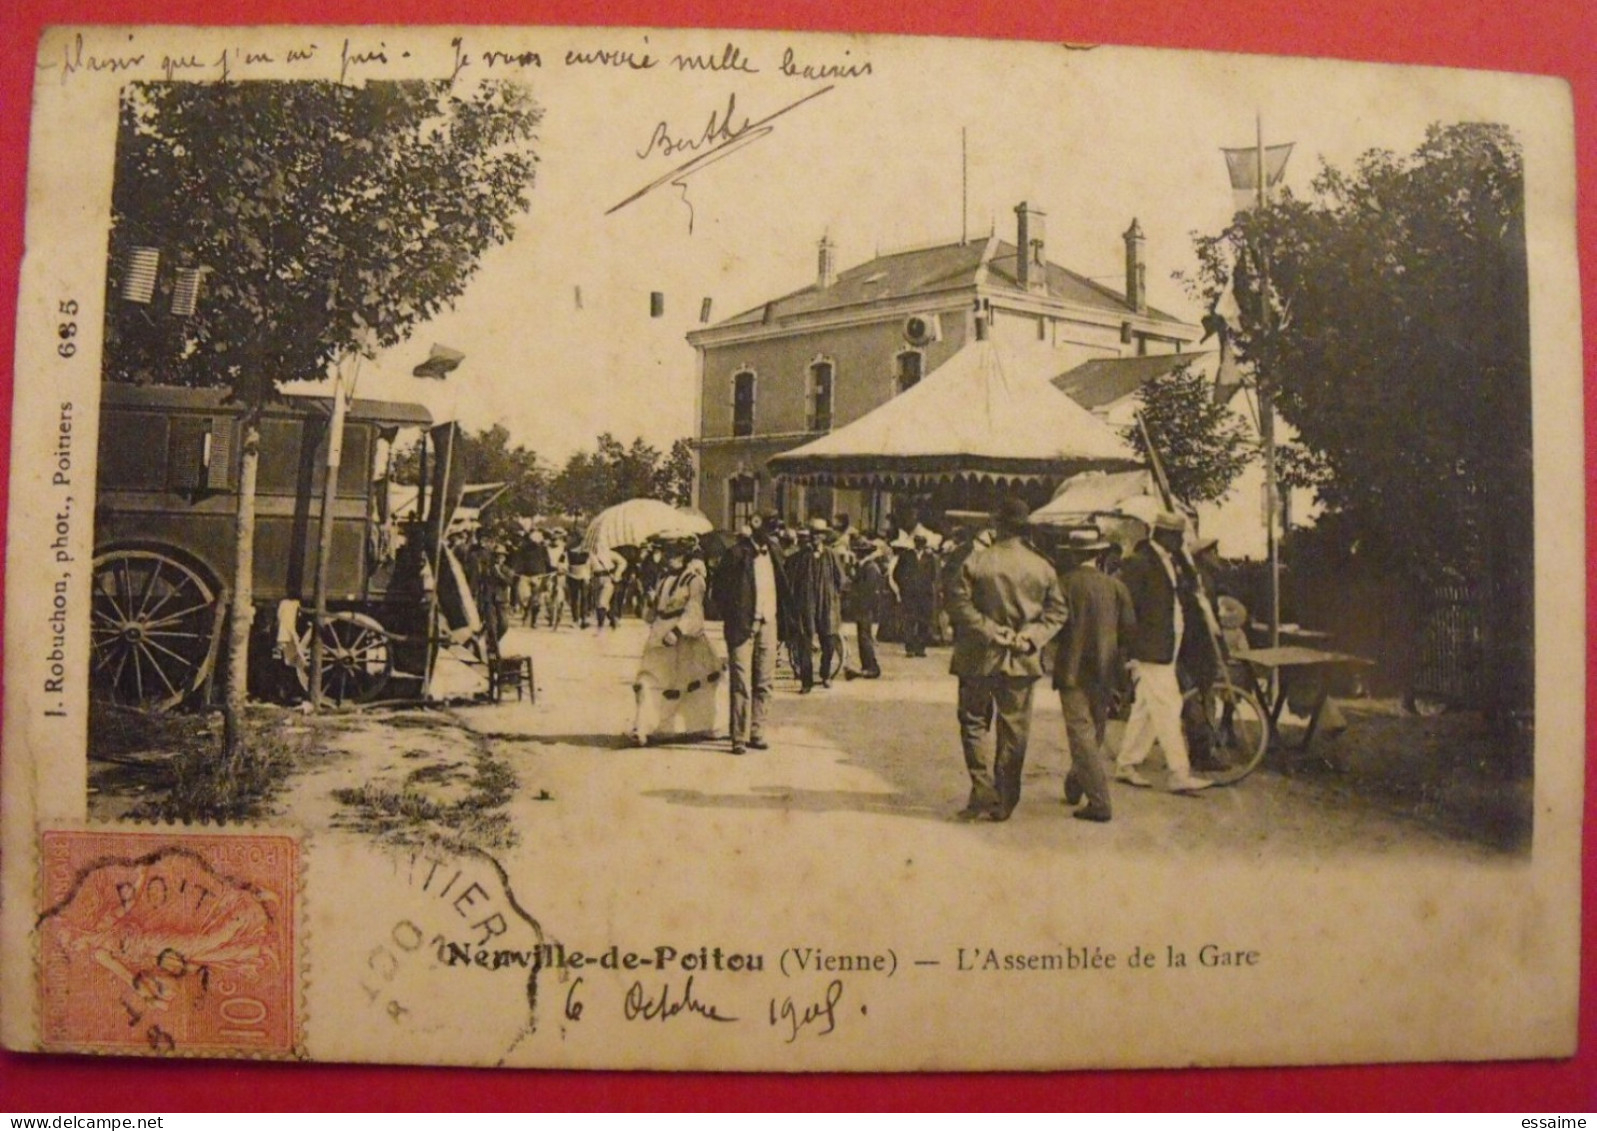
{"type": "Point", "coordinates": [357, 660]}
{"type": "Point", "coordinates": [155, 626]}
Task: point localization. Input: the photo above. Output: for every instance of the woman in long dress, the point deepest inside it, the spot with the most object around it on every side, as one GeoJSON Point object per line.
{"type": "Point", "coordinates": [679, 672]}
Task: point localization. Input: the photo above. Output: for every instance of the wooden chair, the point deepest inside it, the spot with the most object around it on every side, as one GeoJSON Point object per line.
{"type": "Point", "coordinates": [505, 672]}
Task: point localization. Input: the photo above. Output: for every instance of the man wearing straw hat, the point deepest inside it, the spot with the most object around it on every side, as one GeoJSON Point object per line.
{"type": "Point", "coordinates": [1004, 605]}
{"type": "Point", "coordinates": [1159, 592]}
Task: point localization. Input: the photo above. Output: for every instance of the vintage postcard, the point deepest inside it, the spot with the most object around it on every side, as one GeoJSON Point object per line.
{"type": "Point", "coordinates": [604, 548]}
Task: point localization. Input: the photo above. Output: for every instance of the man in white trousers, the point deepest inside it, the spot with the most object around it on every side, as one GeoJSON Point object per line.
{"type": "Point", "coordinates": [1161, 596]}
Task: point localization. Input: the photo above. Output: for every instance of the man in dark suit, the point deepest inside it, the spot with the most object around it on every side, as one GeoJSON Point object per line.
{"type": "Point", "coordinates": [1163, 596]}
{"type": "Point", "coordinates": [916, 578]}
{"type": "Point", "coordinates": [863, 602]}
{"type": "Point", "coordinates": [1088, 668]}
{"type": "Point", "coordinates": [1004, 606]}
{"type": "Point", "coordinates": [815, 576]}
{"type": "Point", "coordinates": [751, 590]}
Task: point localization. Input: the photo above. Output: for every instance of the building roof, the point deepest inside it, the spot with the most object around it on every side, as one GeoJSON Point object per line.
{"type": "Point", "coordinates": [985, 413]}
{"type": "Point", "coordinates": [217, 400]}
{"type": "Point", "coordinates": [929, 271]}
{"type": "Point", "coordinates": [1068, 286]}
{"type": "Point", "coordinates": [1105, 380]}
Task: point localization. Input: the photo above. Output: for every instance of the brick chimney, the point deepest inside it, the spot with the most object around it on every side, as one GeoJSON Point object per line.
{"type": "Point", "coordinates": [1136, 269]}
{"type": "Point", "coordinates": [1031, 263]}
{"type": "Point", "coordinates": [826, 263]}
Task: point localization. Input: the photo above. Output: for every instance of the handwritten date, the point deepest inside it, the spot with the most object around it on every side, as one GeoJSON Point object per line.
{"type": "Point", "coordinates": [809, 1018]}
{"type": "Point", "coordinates": [640, 1005]}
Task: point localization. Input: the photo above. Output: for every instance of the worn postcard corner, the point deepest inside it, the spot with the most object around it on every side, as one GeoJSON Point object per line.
{"type": "Point", "coordinates": [647, 548]}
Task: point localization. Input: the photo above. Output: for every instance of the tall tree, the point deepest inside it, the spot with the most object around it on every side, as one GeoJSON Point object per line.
{"type": "Point", "coordinates": [489, 457]}
{"type": "Point", "coordinates": [1202, 444]}
{"type": "Point", "coordinates": [583, 485]}
{"type": "Point", "coordinates": [325, 221]}
{"type": "Point", "coordinates": [673, 479]}
{"type": "Point", "coordinates": [1389, 313]}
{"type": "Point", "coordinates": [614, 472]}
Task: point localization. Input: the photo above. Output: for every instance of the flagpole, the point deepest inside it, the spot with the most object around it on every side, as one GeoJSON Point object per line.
{"type": "Point", "coordinates": [1267, 408]}
{"type": "Point", "coordinates": [964, 191]}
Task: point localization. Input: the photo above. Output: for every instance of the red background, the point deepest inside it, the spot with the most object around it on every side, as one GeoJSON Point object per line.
{"type": "Point", "coordinates": [1553, 37]}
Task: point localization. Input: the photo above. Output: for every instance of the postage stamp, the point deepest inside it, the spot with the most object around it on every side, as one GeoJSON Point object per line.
{"type": "Point", "coordinates": [169, 943]}
{"type": "Point", "coordinates": [743, 551]}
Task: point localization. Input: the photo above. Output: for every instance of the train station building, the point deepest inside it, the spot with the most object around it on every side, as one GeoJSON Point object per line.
{"type": "Point", "coordinates": [795, 368]}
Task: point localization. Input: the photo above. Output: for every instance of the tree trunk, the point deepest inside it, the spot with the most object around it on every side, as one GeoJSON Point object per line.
{"type": "Point", "coordinates": [235, 750]}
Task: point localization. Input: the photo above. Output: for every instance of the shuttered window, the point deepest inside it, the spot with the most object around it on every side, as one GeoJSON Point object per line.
{"type": "Point", "coordinates": [221, 463]}
{"type": "Point", "coordinates": [820, 397]}
{"type": "Point", "coordinates": [743, 404]}
{"type": "Point", "coordinates": [185, 453]}
{"type": "Point", "coordinates": [199, 454]}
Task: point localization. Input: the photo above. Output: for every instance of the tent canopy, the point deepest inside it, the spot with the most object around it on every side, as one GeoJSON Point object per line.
{"type": "Point", "coordinates": [1082, 497]}
{"type": "Point", "coordinates": [982, 415]}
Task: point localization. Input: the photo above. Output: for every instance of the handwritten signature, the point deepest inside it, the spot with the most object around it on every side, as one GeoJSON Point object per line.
{"type": "Point", "coordinates": [720, 134]}
{"type": "Point", "coordinates": [640, 1005]}
{"type": "Point", "coordinates": [796, 1020]}
{"type": "Point", "coordinates": [719, 129]}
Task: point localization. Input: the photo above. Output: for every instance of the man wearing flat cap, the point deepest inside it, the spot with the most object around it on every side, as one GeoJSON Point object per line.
{"type": "Point", "coordinates": [1004, 604]}
{"type": "Point", "coordinates": [1163, 598]}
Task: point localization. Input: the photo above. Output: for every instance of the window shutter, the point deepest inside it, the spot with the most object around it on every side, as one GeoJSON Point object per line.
{"type": "Point", "coordinates": [222, 458]}
{"type": "Point", "coordinates": [185, 454]}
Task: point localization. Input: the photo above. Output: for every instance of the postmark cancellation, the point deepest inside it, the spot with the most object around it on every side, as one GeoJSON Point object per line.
{"type": "Point", "coordinates": [169, 943]}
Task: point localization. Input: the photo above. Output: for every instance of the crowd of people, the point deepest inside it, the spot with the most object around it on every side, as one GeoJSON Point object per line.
{"type": "Point", "coordinates": [547, 576]}
{"type": "Point", "coordinates": [1095, 620]}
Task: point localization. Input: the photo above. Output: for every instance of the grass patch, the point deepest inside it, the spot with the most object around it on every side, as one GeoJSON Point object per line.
{"type": "Point", "coordinates": [1451, 772]}
{"type": "Point", "coordinates": [171, 767]}
{"type": "Point", "coordinates": [456, 805]}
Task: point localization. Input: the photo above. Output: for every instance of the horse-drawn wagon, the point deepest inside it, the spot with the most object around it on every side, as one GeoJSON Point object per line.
{"type": "Point", "coordinates": [165, 536]}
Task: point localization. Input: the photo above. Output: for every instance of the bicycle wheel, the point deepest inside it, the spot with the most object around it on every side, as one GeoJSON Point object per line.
{"type": "Point", "coordinates": [1239, 732]}
{"type": "Point", "coordinates": [840, 658]}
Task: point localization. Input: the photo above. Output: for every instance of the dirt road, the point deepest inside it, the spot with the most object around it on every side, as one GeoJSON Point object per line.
{"type": "Point", "coordinates": [881, 756]}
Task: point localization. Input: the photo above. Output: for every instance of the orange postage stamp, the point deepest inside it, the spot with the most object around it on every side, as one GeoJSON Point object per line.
{"type": "Point", "coordinates": [169, 943]}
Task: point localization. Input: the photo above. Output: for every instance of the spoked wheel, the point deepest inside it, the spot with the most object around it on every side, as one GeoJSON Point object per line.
{"type": "Point", "coordinates": [357, 660]}
{"type": "Point", "coordinates": [1238, 731]}
{"type": "Point", "coordinates": [841, 655]}
{"type": "Point", "coordinates": [155, 626]}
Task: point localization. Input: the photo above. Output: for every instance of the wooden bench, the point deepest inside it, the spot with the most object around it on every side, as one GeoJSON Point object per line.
{"type": "Point", "coordinates": [505, 672]}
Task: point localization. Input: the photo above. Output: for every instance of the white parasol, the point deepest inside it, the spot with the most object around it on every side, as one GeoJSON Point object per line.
{"type": "Point", "coordinates": [635, 521]}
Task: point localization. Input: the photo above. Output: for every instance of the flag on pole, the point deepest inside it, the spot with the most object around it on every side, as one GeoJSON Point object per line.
{"type": "Point", "coordinates": [1243, 165]}
{"type": "Point", "coordinates": [1225, 313]}
{"type": "Point", "coordinates": [448, 479]}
